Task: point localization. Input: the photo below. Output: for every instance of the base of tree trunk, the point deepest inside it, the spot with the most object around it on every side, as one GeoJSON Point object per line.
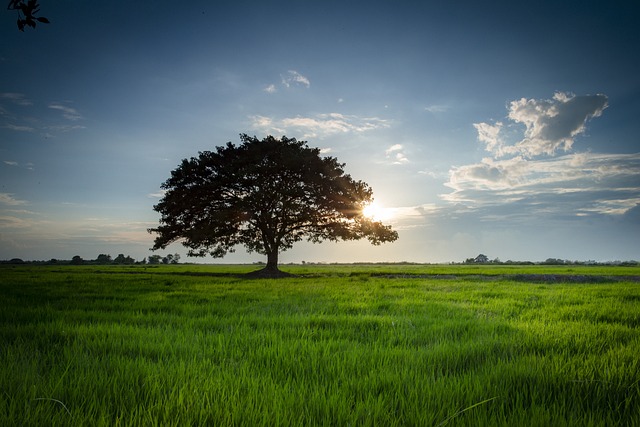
{"type": "Point", "coordinates": [268, 273]}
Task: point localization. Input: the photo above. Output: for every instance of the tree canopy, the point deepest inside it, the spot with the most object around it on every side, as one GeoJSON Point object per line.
{"type": "Point", "coordinates": [265, 195]}
{"type": "Point", "coordinates": [27, 11]}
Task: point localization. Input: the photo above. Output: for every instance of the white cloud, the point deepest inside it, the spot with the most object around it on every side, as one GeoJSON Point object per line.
{"type": "Point", "coordinates": [395, 147]}
{"type": "Point", "coordinates": [61, 128]}
{"type": "Point", "coordinates": [19, 128]}
{"type": "Point", "coordinates": [67, 112]}
{"type": "Point", "coordinates": [17, 98]}
{"type": "Point", "coordinates": [604, 183]}
{"type": "Point", "coordinates": [29, 166]}
{"type": "Point", "coordinates": [611, 207]}
{"type": "Point", "coordinates": [396, 154]}
{"type": "Point", "coordinates": [157, 195]}
{"type": "Point", "coordinates": [12, 222]}
{"type": "Point", "coordinates": [436, 108]}
{"type": "Point", "coordinates": [318, 126]}
{"type": "Point", "coordinates": [490, 135]}
{"type": "Point", "coordinates": [69, 234]}
{"type": "Point", "coordinates": [576, 183]}
{"type": "Point", "coordinates": [266, 124]}
{"type": "Point", "coordinates": [400, 159]}
{"type": "Point", "coordinates": [550, 124]}
{"type": "Point", "coordinates": [293, 77]}
{"type": "Point", "coordinates": [270, 89]}
{"type": "Point", "coordinates": [8, 199]}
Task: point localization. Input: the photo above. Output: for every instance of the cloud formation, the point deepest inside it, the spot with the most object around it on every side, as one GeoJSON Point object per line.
{"type": "Point", "coordinates": [318, 126]}
{"type": "Point", "coordinates": [8, 199]}
{"type": "Point", "coordinates": [551, 125]}
{"type": "Point", "coordinates": [535, 175]}
{"type": "Point", "coordinates": [17, 98]}
{"type": "Point", "coordinates": [396, 154]}
{"type": "Point", "coordinates": [287, 80]}
{"type": "Point", "coordinates": [47, 125]}
{"type": "Point", "coordinates": [19, 128]}
{"type": "Point", "coordinates": [437, 108]}
{"type": "Point", "coordinates": [292, 77]}
{"type": "Point", "coordinates": [67, 112]}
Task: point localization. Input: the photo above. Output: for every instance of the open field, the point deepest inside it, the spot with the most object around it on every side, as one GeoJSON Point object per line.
{"type": "Point", "coordinates": [339, 345]}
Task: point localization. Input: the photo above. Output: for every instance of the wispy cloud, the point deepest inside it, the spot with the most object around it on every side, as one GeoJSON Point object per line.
{"type": "Point", "coordinates": [395, 147]}
{"type": "Point", "coordinates": [17, 98]}
{"type": "Point", "coordinates": [292, 77]}
{"type": "Point", "coordinates": [67, 112]}
{"type": "Point", "coordinates": [318, 126]}
{"type": "Point", "coordinates": [18, 128]}
{"type": "Point", "coordinates": [11, 222]}
{"type": "Point", "coordinates": [490, 135]}
{"type": "Point", "coordinates": [289, 79]}
{"type": "Point", "coordinates": [62, 128]}
{"type": "Point", "coordinates": [46, 125]}
{"type": "Point", "coordinates": [579, 183]}
{"type": "Point", "coordinates": [8, 199]}
{"type": "Point", "coordinates": [566, 172]}
{"type": "Point", "coordinates": [29, 165]}
{"type": "Point", "coordinates": [157, 195]}
{"type": "Point", "coordinates": [29, 234]}
{"type": "Point", "coordinates": [396, 154]}
{"type": "Point", "coordinates": [437, 108]}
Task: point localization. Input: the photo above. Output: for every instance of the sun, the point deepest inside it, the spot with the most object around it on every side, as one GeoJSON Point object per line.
{"type": "Point", "coordinates": [376, 212]}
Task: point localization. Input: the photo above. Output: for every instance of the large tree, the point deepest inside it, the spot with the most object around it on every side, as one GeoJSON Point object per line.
{"type": "Point", "coordinates": [266, 195]}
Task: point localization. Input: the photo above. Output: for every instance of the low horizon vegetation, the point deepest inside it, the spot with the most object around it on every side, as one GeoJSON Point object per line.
{"type": "Point", "coordinates": [121, 259]}
{"type": "Point", "coordinates": [380, 344]}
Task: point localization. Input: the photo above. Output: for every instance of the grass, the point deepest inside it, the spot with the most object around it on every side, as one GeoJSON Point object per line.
{"type": "Point", "coordinates": [338, 345]}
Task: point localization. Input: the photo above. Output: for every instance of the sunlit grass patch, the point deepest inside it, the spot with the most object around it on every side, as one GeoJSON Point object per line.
{"type": "Point", "coordinates": [123, 347]}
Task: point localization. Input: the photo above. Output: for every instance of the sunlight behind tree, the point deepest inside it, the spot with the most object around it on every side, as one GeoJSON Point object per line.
{"type": "Point", "coordinates": [377, 212]}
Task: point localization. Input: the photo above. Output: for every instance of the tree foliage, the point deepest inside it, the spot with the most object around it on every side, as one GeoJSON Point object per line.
{"type": "Point", "coordinates": [27, 11]}
{"type": "Point", "coordinates": [265, 195]}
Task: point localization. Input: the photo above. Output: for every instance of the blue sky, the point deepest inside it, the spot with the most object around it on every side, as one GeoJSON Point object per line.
{"type": "Point", "coordinates": [504, 128]}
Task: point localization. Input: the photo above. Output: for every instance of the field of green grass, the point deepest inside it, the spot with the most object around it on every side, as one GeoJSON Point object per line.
{"type": "Point", "coordinates": [337, 345]}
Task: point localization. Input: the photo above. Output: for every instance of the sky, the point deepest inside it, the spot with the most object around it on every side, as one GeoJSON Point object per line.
{"type": "Point", "coordinates": [506, 128]}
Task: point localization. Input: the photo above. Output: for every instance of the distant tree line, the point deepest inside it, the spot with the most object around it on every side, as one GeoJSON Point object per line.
{"type": "Point", "coordinates": [121, 259]}
{"type": "Point", "coordinates": [104, 259]}
{"type": "Point", "coordinates": [483, 259]}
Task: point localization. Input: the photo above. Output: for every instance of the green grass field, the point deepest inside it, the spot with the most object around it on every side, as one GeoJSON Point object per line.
{"type": "Point", "coordinates": [339, 345]}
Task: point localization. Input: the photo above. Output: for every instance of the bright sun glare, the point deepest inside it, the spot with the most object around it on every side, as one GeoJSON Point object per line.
{"type": "Point", "coordinates": [376, 212]}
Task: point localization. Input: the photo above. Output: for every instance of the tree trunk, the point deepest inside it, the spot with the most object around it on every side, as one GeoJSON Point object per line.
{"type": "Point", "coordinates": [271, 271]}
{"type": "Point", "coordinates": [272, 261]}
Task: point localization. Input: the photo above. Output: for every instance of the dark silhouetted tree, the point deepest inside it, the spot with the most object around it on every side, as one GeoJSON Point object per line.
{"type": "Point", "coordinates": [154, 259]}
{"type": "Point", "coordinates": [266, 195]}
{"type": "Point", "coordinates": [27, 11]}
{"type": "Point", "coordinates": [481, 259]}
{"type": "Point", "coordinates": [77, 260]}
{"type": "Point", "coordinates": [121, 259]}
{"type": "Point", "coordinates": [103, 259]}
